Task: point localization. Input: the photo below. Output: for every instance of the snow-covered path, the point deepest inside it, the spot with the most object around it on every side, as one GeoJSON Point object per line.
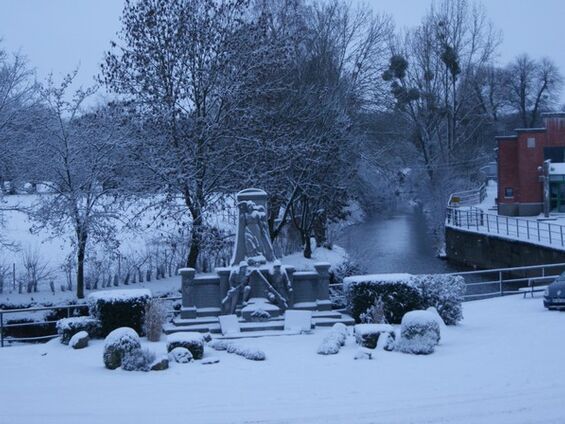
{"type": "Point", "coordinates": [504, 364]}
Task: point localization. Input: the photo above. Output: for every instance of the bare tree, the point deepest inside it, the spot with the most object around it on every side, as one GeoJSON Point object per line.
{"type": "Point", "coordinates": [82, 148]}
{"type": "Point", "coordinates": [533, 87]}
{"type": "Point", "coordinates": [185, 65]}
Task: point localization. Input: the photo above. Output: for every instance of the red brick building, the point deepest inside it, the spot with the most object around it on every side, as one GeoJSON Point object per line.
{"type": "Point", "coordinates": [520, 160]}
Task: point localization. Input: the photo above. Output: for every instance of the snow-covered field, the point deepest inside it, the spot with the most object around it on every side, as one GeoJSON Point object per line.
{"type": "Point", "coordinates": [503, 364]}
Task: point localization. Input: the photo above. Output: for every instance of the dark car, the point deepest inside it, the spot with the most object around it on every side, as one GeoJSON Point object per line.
{"type": "Point", "coordinates": [554, 294]}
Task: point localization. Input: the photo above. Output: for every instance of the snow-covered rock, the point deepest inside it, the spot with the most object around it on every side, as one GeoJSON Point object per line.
{"type": "Point", "coordinates": [79, 340]}
{"type": "Point", "coordinates": [180, 355]}
{"type": "Point", "coordinates": [194, 342]}
{"type": "Point", "coordinates": [160, 364]}
{"type": "Point", "coordinates": [210, 360]}
{"type": "Point", "coordinates": [363, 353]}
{"type": "Point", "coordinates": [367, 335]}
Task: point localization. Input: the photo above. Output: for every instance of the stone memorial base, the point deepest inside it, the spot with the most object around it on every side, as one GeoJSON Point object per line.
{"type": "Point", "coordinates": [212, 324]}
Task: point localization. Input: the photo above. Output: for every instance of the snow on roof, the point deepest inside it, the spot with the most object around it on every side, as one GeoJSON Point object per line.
{"type": "Point", "coordinates": [119, 295]}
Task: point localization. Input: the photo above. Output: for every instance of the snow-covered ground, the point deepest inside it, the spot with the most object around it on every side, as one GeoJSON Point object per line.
{"type": "Point", "coordinates": [503, 364]}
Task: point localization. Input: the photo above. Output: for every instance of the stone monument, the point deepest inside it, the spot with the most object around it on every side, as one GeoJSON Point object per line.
{"type": "Point", "coordinates": [256, 287]}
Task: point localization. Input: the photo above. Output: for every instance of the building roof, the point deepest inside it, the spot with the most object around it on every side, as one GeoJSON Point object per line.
{"type": "Point", "coordinates": [553, 115]}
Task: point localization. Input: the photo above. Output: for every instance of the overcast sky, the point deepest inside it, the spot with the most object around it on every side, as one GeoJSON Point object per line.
{"type": "Point", "coordinates": [59, 35]}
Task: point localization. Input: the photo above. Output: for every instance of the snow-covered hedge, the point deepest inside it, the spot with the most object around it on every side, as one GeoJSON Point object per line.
{"type": "Point", "coordinates": [120, 342]}
{"type": "Point", "coordinates": [402, 293]}
{"type": "Point", "coordinates": [444, 293]}
{"type": "Point", "coordinates": [68, 327]}
{"type": "Point", "coordinates": [397, 291]}
{"type": "Point", "coordinates": [119, 308]}
{"type": "Point", "coordinates": [194, 342]}
{"type": "Point", "coordinates": [419, 333]}
{"type": "Point", "coordinates": [250, 353]}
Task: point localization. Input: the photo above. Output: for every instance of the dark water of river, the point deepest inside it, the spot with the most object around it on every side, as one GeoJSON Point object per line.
{"type": "Point", "coordinates": [398, 243]}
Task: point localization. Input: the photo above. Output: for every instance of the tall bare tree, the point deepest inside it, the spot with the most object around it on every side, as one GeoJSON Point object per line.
{"type": "Point", "coordinates": [533, 86]}
{"type": "Point", "coordinates": [186, 65]}
{"type": "Point", "coordinates": [84, 201]}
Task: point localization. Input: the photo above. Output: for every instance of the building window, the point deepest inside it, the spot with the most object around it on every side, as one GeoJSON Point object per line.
{"type": "Point", "coordinates": [508, 192]}
{"type": "Point", "coordinates": [555, 154]}
{"type": "Point", "coordinates": [531, 143]}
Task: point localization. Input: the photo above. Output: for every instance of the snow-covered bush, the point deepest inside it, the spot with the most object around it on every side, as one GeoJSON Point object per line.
{"type": "Point", "coordinates": [443, 292]}
{"type": "Point", "coordinates": [154, 320]}
{"type": "Point", "coordinates": [138, 360]}
{"type": "Point", "coordinates": [68, 327]}
{"type": "Point", "coordinates": [250, 353]}
{"type": "Point", "coordinates": [217, 344]}
{"type": "Point", "coordinates": [192, 341]}
{"type": "Point", "coordinates": [340, 327]}
{"type": "Point", "coordinates": [247, 352]}
{"type": "Point", "coordinates": [334, 340]}
{"type": "Point", "coordinates": [180, 355]}
{"type": "Point", "coordinates": [329, 346]}
{"type": "Point", "coordinates": [397, 292]}
{"type": "Point", "coordinates": [375, 314]}
{"type": "Point", "coordinates": [119, 308]}
{"type": "Point", "coordinates": [347, 268]}
{"type": "Point", "coordinates": [117, 344]}
{"type": "Point", "coordinates": [419, 333]}
{"type": "Point", "coordinates": [79, 340]}
{"type": "Point", "coordinates": [367, 335]}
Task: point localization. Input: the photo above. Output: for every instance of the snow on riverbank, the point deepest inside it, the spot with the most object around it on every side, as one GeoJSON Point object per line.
{"type": "Point", "coordinates": [502, 365]}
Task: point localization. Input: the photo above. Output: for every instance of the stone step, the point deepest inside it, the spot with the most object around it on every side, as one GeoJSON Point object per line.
{"type": "Point", "coordinates": [207, 324]}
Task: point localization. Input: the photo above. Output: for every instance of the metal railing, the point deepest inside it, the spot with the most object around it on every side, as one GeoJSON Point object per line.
{"type": "Point", "coordinates": [538, 232]}
{"type": "Point", "coordinates": [27, 311]}
{"type": "Point", "coordinates": [468, 197]}
{"type": "Point", "coordinates": [504, 281]}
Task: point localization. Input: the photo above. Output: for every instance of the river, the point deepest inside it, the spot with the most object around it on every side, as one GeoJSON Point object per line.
{"type": "Point", "coordinates": [396, 243]}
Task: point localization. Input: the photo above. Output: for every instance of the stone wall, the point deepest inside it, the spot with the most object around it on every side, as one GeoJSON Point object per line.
{"type": "Point", "coordinates": [487, 251]}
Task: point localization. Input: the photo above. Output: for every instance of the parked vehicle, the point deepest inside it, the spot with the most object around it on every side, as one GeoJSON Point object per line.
{"type": "Point", "coordinates": [554, 294]}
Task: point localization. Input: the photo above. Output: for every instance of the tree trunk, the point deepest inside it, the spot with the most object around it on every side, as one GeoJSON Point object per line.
{"type": "Point", "coordinates": [307, 247]}
{"type": "Point", "coordinates": [196, 239]}
{"type": "Point", "coordinates": [80, 269]}
{"type": "Point", "coordinates": [82, 236]}
{"type": "Point", "coordinates": [194, 249]}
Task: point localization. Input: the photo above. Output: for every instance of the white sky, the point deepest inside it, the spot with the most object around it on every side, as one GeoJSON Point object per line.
{"type": "Point", "coordinates": [59, 35]}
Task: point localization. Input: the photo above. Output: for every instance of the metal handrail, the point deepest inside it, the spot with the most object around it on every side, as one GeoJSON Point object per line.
{"type": "Point", "coordinates": [49, 308]}
{"type": "Point", "coordinates": [476, 220]}
{"type": "Point", "coordinates": [501, 281]}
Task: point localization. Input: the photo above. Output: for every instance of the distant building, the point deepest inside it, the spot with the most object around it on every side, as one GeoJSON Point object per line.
{"type": "Point", "coordinates": [520, 168]}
